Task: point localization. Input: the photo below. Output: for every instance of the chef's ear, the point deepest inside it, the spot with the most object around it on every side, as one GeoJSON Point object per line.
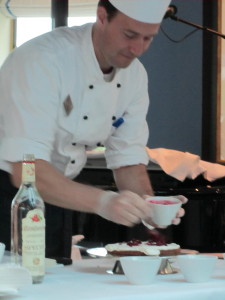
{"type": "Point", "coordinates": [102, 15]}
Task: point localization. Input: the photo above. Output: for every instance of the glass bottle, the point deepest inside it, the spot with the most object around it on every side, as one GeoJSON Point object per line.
{"type": "Point", "coordinates": [28, 223]}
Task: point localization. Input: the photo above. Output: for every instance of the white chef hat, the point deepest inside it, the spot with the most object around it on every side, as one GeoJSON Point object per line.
{"type": "Point", "coordinates": [147, 11]}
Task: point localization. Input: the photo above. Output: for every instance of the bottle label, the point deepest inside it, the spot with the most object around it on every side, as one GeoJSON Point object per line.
{"type": "Point", "coordinates": [28, 171]}
{"type": "Point", "coordinates": [33, 242]}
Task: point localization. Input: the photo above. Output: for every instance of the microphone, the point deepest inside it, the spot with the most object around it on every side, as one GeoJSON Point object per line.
{"type": "Point", "coordinates": [171, 11]}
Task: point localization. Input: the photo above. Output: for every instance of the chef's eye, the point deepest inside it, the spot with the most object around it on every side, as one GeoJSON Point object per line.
{"type": "Point", "coordinates": [129, 35]}
{"type": "Point", "coordinates": [148, 38]}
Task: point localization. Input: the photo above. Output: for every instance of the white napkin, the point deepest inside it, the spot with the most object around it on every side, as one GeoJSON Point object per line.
{"type": "Point", "coordinates": [181, 165]}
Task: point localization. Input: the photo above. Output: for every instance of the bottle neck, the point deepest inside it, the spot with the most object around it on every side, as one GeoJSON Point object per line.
{"type": "Point", "coordinates": [28, 171]}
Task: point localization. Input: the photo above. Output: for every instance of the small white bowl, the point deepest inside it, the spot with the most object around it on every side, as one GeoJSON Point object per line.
{"type": "Point", "coordinates": [140, 270]}
{"type": "Point", "coordinates": [14, 276]}
{"type": "Point", "coordinates": [2, 251]}
{"type": "Point", "coordinates": [164, 209]}
{"type": "Point", "coordinates": [197, 267]}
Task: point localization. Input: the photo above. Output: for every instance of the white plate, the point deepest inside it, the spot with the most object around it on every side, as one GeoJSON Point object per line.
{"type": "Point", "coordinates": [98, 252]}
{"type": "Point", "coordinates": [6, 291]}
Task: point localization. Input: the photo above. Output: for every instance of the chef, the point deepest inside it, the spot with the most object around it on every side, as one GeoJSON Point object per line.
{"type": "Point", "coordinates": [69, 91]}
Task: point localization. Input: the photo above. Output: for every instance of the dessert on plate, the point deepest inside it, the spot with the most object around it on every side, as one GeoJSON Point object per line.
{"type": "Point", "coordinates": [141, 248]}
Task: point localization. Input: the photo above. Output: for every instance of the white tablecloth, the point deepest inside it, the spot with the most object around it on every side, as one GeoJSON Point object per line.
{"type": "Point", "coordinates": [88, 279]}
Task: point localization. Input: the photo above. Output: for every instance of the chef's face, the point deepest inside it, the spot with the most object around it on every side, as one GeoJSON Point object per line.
{"type": "Point", "coordinates": [121, 39]}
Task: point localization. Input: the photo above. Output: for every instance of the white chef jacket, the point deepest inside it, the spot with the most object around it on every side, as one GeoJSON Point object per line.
{"type": "Point", "coordinates": [55, 103]}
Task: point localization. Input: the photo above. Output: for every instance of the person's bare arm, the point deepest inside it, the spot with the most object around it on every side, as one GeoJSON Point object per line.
{"type": "Point", "coordinates": [56, 189]}
{"type": "Point", "coordinates": [133, 178]}
{"type": "Point", "coordinates": [125, 208]}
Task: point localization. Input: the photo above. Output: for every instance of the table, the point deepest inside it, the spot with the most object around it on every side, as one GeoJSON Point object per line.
{"type": "Point", "coordinates": [88, 279]}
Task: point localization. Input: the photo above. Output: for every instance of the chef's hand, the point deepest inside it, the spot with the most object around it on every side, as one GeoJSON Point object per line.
{"type": "Point", "coordinates": [125, 208]}
{"type": "Point", "coordinates": [181, 211]}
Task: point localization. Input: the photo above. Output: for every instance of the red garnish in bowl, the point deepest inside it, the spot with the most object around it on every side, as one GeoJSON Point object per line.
{"type": "Point", "coordinates": [164, 202]}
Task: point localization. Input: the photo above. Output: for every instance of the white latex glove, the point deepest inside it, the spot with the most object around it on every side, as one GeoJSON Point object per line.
{"type": "Point", "coordinates": [181, 211]}
{"type": "Point", "coordinates": [125, 208]}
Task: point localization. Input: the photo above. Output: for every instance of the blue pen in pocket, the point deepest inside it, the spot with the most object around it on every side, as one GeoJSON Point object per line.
{"type": "Point", "coordinates": [118, 122]}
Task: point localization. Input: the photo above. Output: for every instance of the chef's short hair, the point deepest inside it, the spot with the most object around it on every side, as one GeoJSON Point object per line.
{"type": "Point", "coordinates": [110, 9]}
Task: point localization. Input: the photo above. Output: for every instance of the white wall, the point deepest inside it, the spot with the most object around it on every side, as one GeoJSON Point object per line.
{"type": "Point", "coordinates": [175, 82]}
{"type": "Point", "coordinates": [6, 37]}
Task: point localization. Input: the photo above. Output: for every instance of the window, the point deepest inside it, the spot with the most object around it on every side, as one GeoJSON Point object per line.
{"type": "Point", "coordinates": [30, 27]}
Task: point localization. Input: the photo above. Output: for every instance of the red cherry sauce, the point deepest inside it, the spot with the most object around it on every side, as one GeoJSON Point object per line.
{"type": "Point", "coordinates": [156, 238]}
{"type": "Point", "coordinates": [165, 202]}
{"type": "Point", "coordinates": [154, 241]}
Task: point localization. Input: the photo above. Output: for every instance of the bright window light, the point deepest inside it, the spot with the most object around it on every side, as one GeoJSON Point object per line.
{"type": "Point", "coordinates": [77, 21]}
{"type": "Point", "coordinates": [28, 28]}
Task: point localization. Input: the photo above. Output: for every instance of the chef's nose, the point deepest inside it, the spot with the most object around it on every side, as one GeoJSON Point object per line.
{"type": "Point", "coordinates": [138, 47]}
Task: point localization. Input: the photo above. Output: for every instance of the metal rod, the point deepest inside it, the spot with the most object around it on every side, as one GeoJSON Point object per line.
{"type": "Point", "coordinates": [175, 18]}
{"type": "Point", "coordinates": [59, 11]}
